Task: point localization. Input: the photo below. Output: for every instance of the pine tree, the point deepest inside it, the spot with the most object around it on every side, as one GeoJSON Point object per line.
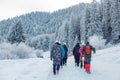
{"type": "Point", "coordinates": [67, 34]}
{"type": "Point", "coordinates": [95, 18]}
{"type": "Point", "coordinates": [75, 23]}
{"type": "Point", "coordinates": [106, 22]}
{"type": "Point", "coordinates": [45, 45]}
{"type": "Point", "coordinates": [115, 25]}
{"type": "Point", "coordinates": [87, 21]}
{"type": "Point", "coordinates": [16, 35]}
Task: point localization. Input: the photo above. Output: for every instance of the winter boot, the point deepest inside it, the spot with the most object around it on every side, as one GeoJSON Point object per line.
{"type": "Point", "coordinates": [87, 68]}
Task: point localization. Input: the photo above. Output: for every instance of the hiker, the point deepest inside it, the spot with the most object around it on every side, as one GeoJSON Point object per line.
{"type": "Point", "coordinates": [56, 56]}
{"type": "Point", "coordinates": [82, 57]}
{"type": "Point", "coordinates": [88, 50]}
{"type": "Point", "coordinates": [76, 54]}
{"type": "Point", "coordinates": [65, 55]}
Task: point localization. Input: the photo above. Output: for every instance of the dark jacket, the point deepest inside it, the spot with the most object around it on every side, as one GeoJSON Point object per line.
{"type": "Point", "coordinates": [76, 50]}
{"type": "Point", "coordinates": [56, 54]}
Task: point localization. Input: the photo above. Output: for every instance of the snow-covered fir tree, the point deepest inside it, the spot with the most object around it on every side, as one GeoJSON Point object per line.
{"type": "Point", "coordinates": [106, 19]}
{"type": "Point", "coordinates": [87, 21]}
{"type": "Point", "coordinates": [115, 22]}
{"type": "Point", "coordinates": [16, 34]}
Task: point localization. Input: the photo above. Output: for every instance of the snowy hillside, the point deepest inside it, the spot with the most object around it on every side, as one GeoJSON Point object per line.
{"type": "Point", "coordinates": [105, 66]}
{"type": "Point", "coordinates": [74, 24]}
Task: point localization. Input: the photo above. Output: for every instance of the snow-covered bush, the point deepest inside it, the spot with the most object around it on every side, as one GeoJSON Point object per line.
{"type": "Point", "coordinates": [39, 53]}
{"type": "Point", "coordinates": [16, 51]}
{"type": "Point", "coordinates": [98, 42]}
{"type": "Point", "coordinates": [42, 42]}
{"type": "Point", "coordinates": [6, 51]}
{"type": "Point", "coordinates": [23, 51]}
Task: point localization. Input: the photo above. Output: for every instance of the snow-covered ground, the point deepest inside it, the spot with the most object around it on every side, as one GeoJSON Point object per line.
{"type": "Point", "coordinates": [104, 66]}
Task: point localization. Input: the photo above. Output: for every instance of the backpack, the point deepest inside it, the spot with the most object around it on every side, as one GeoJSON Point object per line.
{"type": "Point", "coordinates": [87, 49]}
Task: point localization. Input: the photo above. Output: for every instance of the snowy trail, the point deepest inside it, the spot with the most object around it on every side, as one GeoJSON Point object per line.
{"type": "Point", "coordinates": [99, 70]}
{"type": "Point", "coordinates": [71, 72]}
{"type": "Point", "coordinates": [104, 66]}
{"type": "Point", "coordinates": [65, 72]}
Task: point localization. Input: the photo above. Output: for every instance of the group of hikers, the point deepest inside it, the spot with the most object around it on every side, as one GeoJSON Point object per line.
{"type": "Point", "coordinates": [82, 55]}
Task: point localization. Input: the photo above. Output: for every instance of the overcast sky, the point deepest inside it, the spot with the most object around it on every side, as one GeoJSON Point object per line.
{"type": "Point", "coordinates": [11, 8]}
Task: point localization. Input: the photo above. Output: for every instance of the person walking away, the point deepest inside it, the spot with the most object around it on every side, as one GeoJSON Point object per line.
{"type": "Point", "coordinates": [65, 55]}
{"type": "Point", "coordinates": [88, 50]}
{"type": "Point", "coordinates": [76, 54]}
{"type": "Point", "coordinates": [56, 56]}
{"type": "Point", "coordinates": [82, 58]}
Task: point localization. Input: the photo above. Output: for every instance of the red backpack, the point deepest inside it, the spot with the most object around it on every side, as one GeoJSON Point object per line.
{"type": "Point", "coordinates": [87, 49]}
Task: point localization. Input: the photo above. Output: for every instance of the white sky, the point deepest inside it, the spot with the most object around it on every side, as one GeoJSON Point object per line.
{"type": "Point", "coordinates": [11, 8]}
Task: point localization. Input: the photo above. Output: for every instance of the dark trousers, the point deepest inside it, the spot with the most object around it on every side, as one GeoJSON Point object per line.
{"type": "Point", "coordinates": [77, 60]}
{"type": "Point", "coordinates": [82, 63]}
{"type": "Point", "coordinates": [64, 61]}
{"type": "Point", "coordinates": [87, 60]}
{"type": "Point", "coordinates": [56, 67]}
{"type": "Point", "coordinates": [61, 63]}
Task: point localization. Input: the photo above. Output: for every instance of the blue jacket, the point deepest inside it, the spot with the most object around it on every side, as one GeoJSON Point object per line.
{"type": "Point", "coordinates": [66, 50]}
{"type": "Point", "coordinates": [63, 51]}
